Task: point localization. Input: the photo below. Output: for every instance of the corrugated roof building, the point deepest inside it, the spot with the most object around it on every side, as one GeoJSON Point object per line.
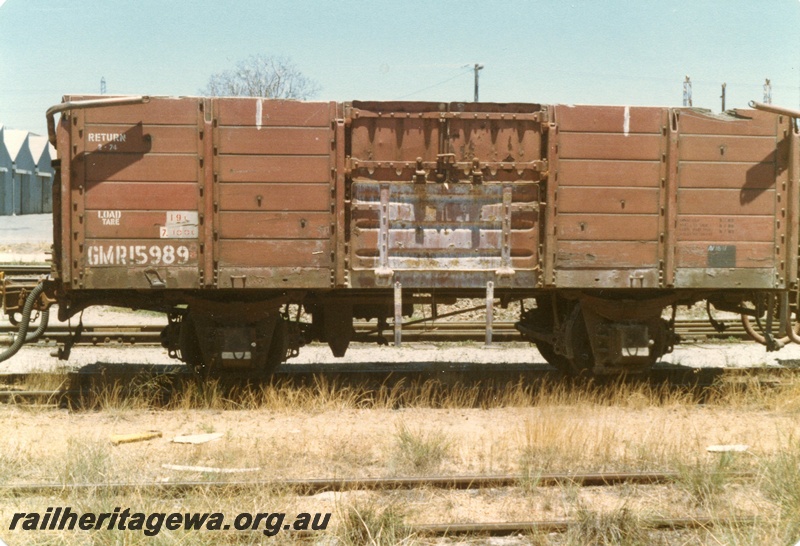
{"type": "Point", "coordinates": [30, 190]}
{"type": "Point", "coordinates": [6, 185]}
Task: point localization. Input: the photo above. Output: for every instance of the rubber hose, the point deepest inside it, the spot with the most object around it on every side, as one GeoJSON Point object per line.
{"type": "Point", "coordinates": [41, 328]}
{"type": "Point", "coordinates": [22, 333]}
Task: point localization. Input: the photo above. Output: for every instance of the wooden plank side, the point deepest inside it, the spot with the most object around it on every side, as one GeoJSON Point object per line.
{"type": "Point", "coordinates": [573, 172]}
{"type": "Point", "coordinates": [603, 227]}
{"type": "Point", "coordinates": [140, 167]}
{"type": "Point", "coordinates": [723, 201]}
{"type": "Point", "coordinates": [252, 168]}
{"type": "Point", "coordinates": [158, 111]}
{"type": "Point", "coordinates": [274, 197]}
{"type": "Point", "coordinates": [141, 138]}
{"type": "Point", "coordinates": [606, 255]}
{"type": "Point", "coordinates": [726, 228]}
{"type": "Point", "coordinates": [120, 223]}
{"type": "Point", "coordinates": [142, 196]}
{"type": "Point", "coordinates": [275, 253]}
{"type": "Point", "coordinates": [608, 119]}
{"type": "Point", "coordinates": [274, 225]}
{"type": "Point", "coordinates": [727, 148]}
{"type": "Point", "coordinates": [274, 141]}
{"type": "Point", "coordinates": [698, 254]}
{"type": "Point", "coordinates": [749, 123]}
{"type": "Point", "coordinates": [257, 112]}
{"type": "Point", "coordinates": [608, 200]}
{"type": "Point", "coordinates": [609, 146]}
{"type": "Point", "coordinates": [752, 176]}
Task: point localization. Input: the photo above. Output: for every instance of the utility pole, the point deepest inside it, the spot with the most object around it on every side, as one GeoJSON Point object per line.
{"type": "Point", "coordinates": [722, 96]}
{"type": "Point", "coordinates": [687, 91]}
{"type": "Point", "coordinates": [477, 68]}
{"type": "Point", "coordinates": [103, 85]}
{"type": "Point", "coordinates": [767, 92]}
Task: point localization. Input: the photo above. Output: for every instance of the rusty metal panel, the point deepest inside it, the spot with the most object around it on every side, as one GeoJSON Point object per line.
{"type": "Point", "coordinates": [465, 229]}
{"type": "Point", "coordinates": [724, 278]}
{"type": "Point", "coordinates": [445, 193]}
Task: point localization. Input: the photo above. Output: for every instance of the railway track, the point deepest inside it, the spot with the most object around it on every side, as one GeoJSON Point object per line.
{"type": "Point", "coordinates": [690, 330]}
{"type": "Point", "coordinates": [306, 487]}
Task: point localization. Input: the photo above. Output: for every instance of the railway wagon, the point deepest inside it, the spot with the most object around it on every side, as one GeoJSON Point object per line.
{"type": "Point", "coordinates": [259, 225]}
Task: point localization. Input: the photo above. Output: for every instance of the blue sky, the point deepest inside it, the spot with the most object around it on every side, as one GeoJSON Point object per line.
{"type": "Point", "coordinates": [598, 52]}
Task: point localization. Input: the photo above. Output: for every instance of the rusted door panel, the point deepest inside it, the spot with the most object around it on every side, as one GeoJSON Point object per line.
{"type": "Point", "coordinates": [135, 216]}
{"type": "Point", "coordinates": [432, 229]}
{"type": "Point", "coordinates": [275, 169]}
{"type": "Point", "coordinates": [445, 195]}
{"type": "Point", "coordinates": [608, 210]}
{"type": "Point", "coordinates": [731, 200]}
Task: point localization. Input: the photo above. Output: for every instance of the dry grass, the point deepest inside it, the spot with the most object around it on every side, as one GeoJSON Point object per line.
{"type": "Point", "coordinates": [326, 429]}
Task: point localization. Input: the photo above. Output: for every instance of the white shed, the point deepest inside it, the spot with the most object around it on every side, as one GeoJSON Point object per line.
{"type": "Point", "coordinates": [43, 153]}
{"type": "Point", "coordinates": [6, 185]}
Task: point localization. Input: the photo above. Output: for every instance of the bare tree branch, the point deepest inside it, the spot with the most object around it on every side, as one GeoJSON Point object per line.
{"type": "Point", "coordinates": [261, 76]}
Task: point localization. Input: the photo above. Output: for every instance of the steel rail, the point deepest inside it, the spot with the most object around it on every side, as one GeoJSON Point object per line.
{"type": "Point", "coordinates": [689, 329]}
{"type": "Point", "coordinates": [562, 526]}
{"type": "Point", "coordinates": [314, 486]}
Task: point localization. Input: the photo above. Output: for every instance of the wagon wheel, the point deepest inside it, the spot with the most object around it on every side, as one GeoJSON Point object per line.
{"type": "Point", "coordinates": [757, 332]}
{"type": "Point", "coordinates": [190, 346]}
{"type": "Point", "coordinates": [582, 361]}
